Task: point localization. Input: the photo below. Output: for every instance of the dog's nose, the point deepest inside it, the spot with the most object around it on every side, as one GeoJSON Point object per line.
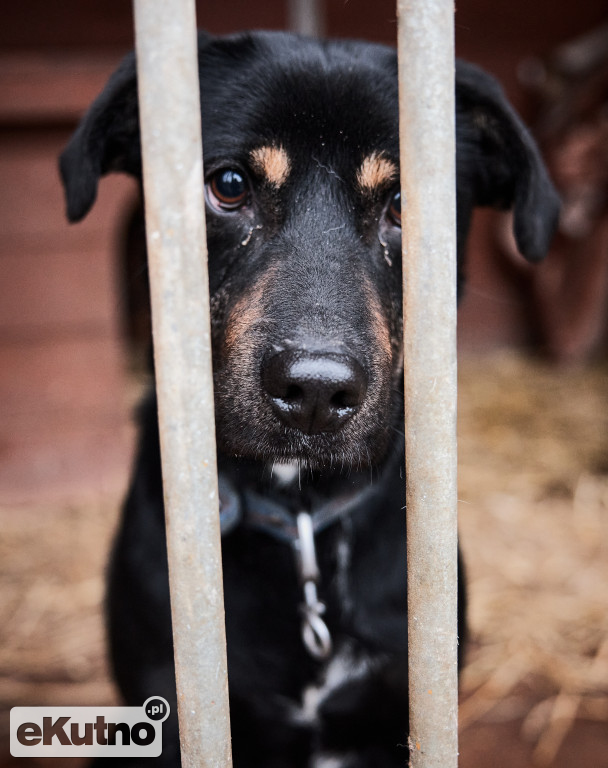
{"type": "Point", "coordinates": [314, 392]}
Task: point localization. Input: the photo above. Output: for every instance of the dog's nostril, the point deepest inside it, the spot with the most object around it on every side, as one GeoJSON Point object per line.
{"type": "Point", "coordinates": [344, 399]}
{"type": "Point", "coordinates": [314, 392]}
{"type": "Point", "coordinates": [293, 393]}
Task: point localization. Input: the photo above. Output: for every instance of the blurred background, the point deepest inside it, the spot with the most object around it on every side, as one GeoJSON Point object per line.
{"type": "Point", "coordinates": [533, 413]}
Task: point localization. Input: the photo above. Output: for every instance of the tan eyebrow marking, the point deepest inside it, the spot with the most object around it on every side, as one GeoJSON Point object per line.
{"type": "Point", "coordinates": [271, 162]}
{"type": "Point", "coordinates": [376, 171]}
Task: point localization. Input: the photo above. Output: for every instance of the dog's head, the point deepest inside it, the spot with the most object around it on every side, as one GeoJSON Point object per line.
{"type": "Point", "coordinates": [303, 216]}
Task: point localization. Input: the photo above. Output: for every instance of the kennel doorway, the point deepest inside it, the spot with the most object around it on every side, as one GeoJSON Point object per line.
{"type": "Point", "coordinates": [176, 239]}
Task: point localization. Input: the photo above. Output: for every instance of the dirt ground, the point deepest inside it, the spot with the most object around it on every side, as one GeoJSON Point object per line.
{"type": "Point", "coordinates": [534, 529]}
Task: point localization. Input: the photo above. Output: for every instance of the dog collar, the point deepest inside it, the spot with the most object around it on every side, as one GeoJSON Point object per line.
{"type": "Point", "coordinates": [299, 531]}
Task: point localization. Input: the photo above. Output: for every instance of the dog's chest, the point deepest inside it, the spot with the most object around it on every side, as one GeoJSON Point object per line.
{"type": "Point", "coordinates": [363, 585]}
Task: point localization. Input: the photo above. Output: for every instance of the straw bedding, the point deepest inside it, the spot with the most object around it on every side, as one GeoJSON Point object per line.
{"type": "Point", "coordinates": [533, 489]}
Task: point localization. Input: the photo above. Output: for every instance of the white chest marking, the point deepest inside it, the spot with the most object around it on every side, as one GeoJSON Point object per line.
{"type": "Point", "coordinates": [327, 760]}
{"type": "Point", "coordinates": [285, 473]}
{"type": "Point", "coordinates": [342, 668]}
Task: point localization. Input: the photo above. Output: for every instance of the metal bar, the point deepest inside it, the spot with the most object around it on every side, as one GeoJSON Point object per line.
{"type": "Point", "coordinates": [306, 17]}
{"type": "Point", "coordinates": [427, 116]}
{"type": "Point", "coordinates": [170, 119]}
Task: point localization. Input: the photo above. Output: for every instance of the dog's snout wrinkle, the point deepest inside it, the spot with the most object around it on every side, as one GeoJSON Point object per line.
{"type": "Point", "coordinates": [314, 392]}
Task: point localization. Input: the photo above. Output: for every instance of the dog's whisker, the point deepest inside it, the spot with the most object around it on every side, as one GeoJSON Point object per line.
{"type": "Point", "coordinates": [371, 466]}
{"type": "Point", "coordinates": [333, 229]}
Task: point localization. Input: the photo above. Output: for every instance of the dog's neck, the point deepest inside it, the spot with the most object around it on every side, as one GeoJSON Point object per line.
{"type": "Point", "coordinates": [293, 508]}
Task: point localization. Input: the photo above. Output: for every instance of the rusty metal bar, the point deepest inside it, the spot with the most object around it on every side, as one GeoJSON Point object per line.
{"type": "Point", "coordinates": [306, 17]}
{"type": "Point", "coordinates": [170, 119]}
{"type": "Point", "coordinates": [427, 116]}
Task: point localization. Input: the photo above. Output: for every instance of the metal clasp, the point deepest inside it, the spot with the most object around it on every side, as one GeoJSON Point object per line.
{"type": "Point", "coordinates": [315, 633]}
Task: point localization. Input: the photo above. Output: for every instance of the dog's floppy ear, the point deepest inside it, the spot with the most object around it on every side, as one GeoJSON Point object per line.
{"type": "Point", "coordinates": [499, 163]}
{"type": "Point", "coordinates": [107, 139]}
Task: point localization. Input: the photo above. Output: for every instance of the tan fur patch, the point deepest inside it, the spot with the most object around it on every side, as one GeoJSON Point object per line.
{"type": "Point", "coordinates": [247, 313]}
{"type": "Point", "coordinates": [271, 162]}
{"type": "Point", "coordinates": [378, 319]}
{"type": "Point", "coordinates": [376, 172]}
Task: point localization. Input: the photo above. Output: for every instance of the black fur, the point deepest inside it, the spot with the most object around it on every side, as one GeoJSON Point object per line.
{"type": "Point", "coordinates": [306, 272]}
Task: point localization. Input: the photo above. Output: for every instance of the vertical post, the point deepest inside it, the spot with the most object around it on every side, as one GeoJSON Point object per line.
{"type": "Point", "coordinates": [167, 65]}
{"type": "Point", "coordinates": [306, 17]}
{"type": "Point", "coordinates": [427, 117]}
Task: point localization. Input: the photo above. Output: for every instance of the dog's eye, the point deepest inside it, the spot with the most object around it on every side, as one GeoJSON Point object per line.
{"type": "Point", "coordinates": [394, 208]}
{"type": "Point", "coordinates": [228, 190]}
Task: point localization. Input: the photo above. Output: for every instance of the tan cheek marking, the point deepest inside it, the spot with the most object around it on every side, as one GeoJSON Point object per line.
{"type": "Point", "coordinates": [244, 315]}
{"type": "Point", "coordinates": [271, 162]}
{"type": "Point", "coordinates": [247, 313]}
{"type": "Point", "coordinates": [375, 172]}
{"type": "Point", "coordinates": [379, 323]}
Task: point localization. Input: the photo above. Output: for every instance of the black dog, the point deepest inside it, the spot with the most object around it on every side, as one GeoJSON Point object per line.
{"type": "Point", "coordinates": [303, 216]}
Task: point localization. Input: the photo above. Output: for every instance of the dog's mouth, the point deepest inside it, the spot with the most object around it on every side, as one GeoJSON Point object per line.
{"type": "Point", "coordinates": [283, 451]}
{"type": "Point", "coordinates": [294, 486]}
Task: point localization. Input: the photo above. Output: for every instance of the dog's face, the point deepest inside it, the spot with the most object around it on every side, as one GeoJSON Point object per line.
{"type": "Point", "coordinates": [304, 241]}
{"type": "Point", "coordinates": [303, 217]}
